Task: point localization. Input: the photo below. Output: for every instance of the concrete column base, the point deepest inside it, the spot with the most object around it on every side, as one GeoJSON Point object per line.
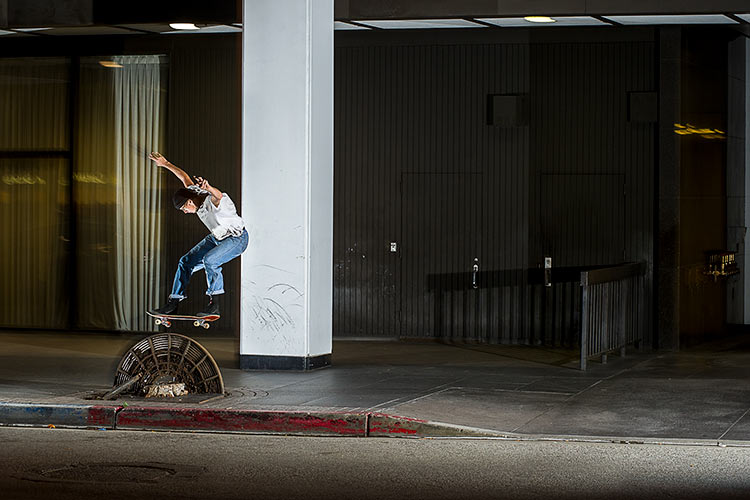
{"type": "Point", "coordinates": [294, 363]}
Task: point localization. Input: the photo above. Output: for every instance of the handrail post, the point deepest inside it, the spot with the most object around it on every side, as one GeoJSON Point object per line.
{"type": "Point", "coordinates": [584, 320]}
{"type": "Point", "coordinates": [625, 304]}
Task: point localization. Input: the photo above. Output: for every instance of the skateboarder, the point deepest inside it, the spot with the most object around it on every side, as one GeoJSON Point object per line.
{"type": "Point", "coordinates": [227, 239]}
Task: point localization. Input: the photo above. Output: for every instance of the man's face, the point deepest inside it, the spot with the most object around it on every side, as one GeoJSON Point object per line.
{"type": "Point", "coordinates": [189, 207]}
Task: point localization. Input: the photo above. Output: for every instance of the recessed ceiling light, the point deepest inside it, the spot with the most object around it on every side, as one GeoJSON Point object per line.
{"type": "Point", "coordinates": [520, 22]}
{"type": "Point", "coordinates": [217, 28]}
{"type": "Point", "coordinates": [744, 17]}
{"type": "Point", "coordinates": [539, 19]}
{"type": "Point", "coordinates": [110, 64]}
{"type": "Point", "coordinates": [183, 26]}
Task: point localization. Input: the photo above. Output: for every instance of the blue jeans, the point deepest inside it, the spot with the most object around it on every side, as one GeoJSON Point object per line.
{"type": "Point", "coordinates": [210, 254]}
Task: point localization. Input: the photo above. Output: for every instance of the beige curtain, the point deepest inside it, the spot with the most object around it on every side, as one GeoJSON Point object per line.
{"type": "Point", "coordinates": [33, 263]}
{"type": "Point", "coordinates": [33, 192]}
{"type": "Point", "coordinates": [118, 191]}
{"type": "Point", "coordinates": [34, 104]}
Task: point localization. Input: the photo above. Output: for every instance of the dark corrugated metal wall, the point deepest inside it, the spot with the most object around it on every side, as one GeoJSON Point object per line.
{"type": "Point", "coordinates": [204, 139]}
{"type": "Point", "coordinates": [417, 164]}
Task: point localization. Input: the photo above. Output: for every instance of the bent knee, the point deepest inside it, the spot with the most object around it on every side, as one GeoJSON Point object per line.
{"type": "Point", "coordinates": [186, 262]}
{"type": "Point", "coordinates": [209, 263]}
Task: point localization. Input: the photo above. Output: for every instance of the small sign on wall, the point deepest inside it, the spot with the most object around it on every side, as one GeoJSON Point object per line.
{"type": "Point", "coordinates": [507, 110]}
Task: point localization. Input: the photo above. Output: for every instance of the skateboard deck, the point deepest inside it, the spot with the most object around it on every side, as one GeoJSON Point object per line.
{"type": "Point", "coordinates": [166, 319]}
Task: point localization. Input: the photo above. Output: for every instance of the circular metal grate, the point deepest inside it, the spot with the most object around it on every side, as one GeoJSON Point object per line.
{"type": "Point", "coordinates": [170, 358]}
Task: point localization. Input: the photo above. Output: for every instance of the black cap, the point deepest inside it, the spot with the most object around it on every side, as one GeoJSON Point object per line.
{"type": "Point", "coordinates": [180, 197]}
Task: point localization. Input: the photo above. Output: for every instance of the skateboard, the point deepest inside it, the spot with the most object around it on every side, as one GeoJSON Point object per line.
{"type": "Point", "coordinates": [166, 319]}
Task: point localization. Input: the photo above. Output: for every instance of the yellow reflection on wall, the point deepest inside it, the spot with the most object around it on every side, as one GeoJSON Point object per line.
{"type": "Point", "coordinates": [27, 179]}
{"type": "Point", "coordinates": [706, 133]}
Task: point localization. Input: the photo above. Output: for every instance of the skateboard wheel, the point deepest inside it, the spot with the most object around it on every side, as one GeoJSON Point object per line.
{"type": "Point", "coordinates": [158, 322]}
{"type": "Point", "coordinates": [206, 326]}
{"type": "Point", "coordinates": [166, 324]}
{"type": "Point", "coordinates": [196, 323]}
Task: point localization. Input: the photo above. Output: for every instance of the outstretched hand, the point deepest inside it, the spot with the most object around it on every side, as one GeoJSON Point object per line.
{"type": "Point", "coordinates": [216, 195]}
{"type": "Point", "coordinates": [202, 183]}
{"type": "Point", "coordinates": [158, 159]}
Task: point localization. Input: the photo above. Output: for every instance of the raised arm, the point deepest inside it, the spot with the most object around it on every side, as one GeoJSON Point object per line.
{"type": "Point", "coordinates": [216, 194]}
{"type": "Point", "coordinates": [177, 171]}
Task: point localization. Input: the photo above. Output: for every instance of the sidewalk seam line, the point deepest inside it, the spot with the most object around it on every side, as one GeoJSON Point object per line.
{"type": "Point", "coordinates": [425, 395]}
{"type": "Point", "coordinates": [734, 423]}
{"type": "Point", "coordinates": [559, 404]}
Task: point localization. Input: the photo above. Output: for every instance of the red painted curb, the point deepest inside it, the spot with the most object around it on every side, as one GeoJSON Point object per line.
{"type": "Point", "coordinates": [384, 425]}
{"type": "Point", "coordinates": [276, 422]}
{"type": "Point", "coordinates": [103, 416]}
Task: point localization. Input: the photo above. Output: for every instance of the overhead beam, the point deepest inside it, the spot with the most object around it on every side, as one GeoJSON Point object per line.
{"type": "Point", "coordinates": [52, 13]}
{"type": "Point", "coordinates": [417, 9]}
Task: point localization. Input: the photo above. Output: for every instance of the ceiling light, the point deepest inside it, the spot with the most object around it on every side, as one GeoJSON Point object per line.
{"type": "Point", "coordinates": [183, 26]}
{"type": "Point", "coordinates": [539, 19]}
{"type": "Point", "coordinates": [3, 32]}
{"type": "Point", "coordinates": [520, 22]}
{"type": "Point", "coordinates": [110, 64]}
{"type": "Point", "coordinates": [30, 29]}
{"type": "Point", "coordinates": [217, 28]}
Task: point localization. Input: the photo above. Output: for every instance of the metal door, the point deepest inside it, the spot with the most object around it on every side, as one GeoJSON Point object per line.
{"type": "Point", "coordinates": [441, 227]}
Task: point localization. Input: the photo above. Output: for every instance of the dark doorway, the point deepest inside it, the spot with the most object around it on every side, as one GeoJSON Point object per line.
{"type": "Point", "coordinates": [441, 234]}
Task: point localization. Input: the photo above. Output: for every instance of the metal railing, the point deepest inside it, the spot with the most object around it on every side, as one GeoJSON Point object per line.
{"type": "Point", "coordinates": [610, 310]}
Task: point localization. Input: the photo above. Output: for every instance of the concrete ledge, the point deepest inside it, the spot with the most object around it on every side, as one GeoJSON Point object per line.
{"type": "Point", "coordinates": [218, 420]}
{"type": "Point", "coordinates": [385, 425]}
{"type": "Point", "coordinates": [58, 415]}
{"type": "Point", "coordinates": [360, 424]}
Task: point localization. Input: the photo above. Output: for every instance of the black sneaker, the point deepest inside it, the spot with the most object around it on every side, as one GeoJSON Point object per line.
{"type": "Point", "coordinates": [212, 309]}
{"type": "Point", "coordinates": [169, 308]}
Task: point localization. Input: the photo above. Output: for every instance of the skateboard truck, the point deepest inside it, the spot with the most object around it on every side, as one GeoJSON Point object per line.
{"type": "Point", "coordinates": [200, 322]}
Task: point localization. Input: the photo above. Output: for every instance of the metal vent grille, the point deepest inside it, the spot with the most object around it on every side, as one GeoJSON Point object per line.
{"type": "Point", "coordinates": [170, 358]}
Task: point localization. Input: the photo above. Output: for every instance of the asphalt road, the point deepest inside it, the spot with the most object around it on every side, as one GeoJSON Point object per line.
{"type": "Point", "coordinates": [62, 464]}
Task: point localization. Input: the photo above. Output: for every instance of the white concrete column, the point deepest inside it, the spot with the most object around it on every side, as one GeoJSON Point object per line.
{"type": "Point", "coordinates": [287, 184]}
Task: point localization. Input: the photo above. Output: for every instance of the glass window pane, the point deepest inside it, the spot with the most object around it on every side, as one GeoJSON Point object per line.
{"type": "Point", "coordinates": [34, 104]}
{"type": "Point", "coordinates": [33, 255]}
{"type": "Point", "coordinates": [118, 191]}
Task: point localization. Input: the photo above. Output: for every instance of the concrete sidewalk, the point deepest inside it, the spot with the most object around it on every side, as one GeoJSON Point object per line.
{"type": "Point", "coordinates": [395, 388]}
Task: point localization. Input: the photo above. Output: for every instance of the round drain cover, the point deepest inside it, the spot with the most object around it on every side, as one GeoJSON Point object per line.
{"type": "Point", "coordinates": [108, 473]}
{"type": "Point", "coordinates": [170, 358]}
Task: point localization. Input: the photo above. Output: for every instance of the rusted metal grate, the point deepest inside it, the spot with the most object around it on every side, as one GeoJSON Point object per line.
{"type": "Point", "coordinates": [169, 358]}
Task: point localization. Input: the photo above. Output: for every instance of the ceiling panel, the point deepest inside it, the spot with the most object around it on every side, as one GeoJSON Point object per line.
{"type": "Point", "coordinates": [219, 28]}
{"type": "Point", "coordinates": [87, 31]}
{"type": "Point", "coordinates": [422, 24]}
{"type": "Point", "coordinates": [148, 28]}
{"type": "Point", "coordinates": [341, 25]}
{"type": "Point", "coordinates": [516, 22]}
{"type": "Point", "coordinates": [682, 19]}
